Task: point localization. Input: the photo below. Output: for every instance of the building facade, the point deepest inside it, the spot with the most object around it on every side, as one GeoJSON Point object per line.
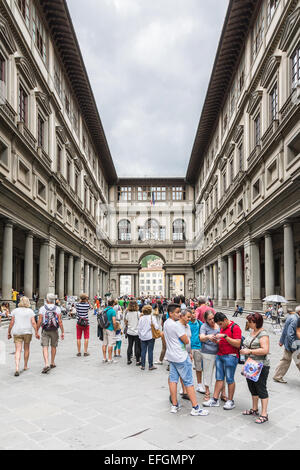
{"type": "Point", "coordinates": [230, 229]}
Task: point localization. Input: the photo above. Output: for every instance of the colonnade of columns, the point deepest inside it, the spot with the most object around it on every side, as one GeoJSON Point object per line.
{"type": "Point", "coordinates": [236, 277]}
{"type": "Point", "coordinates": [81, 275]}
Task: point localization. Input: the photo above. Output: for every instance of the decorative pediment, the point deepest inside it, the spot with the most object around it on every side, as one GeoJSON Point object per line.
{"type": "Point", "coordinates": [26, 70]}
{"type": "Point", "coordinates": [6, 36]}
{"type": "Point", "coordinates": [43, 102]}
{"type": "Point", "coordinates": [270, 70]}
{"type": "Point", "coordinates": [238, 133]}
{"type": "Point", "coordinates": [61, 132]}
{"type": "Point", "coordinates": [292, 26]}
{"type": "Point", "coordinates": [254, 100]}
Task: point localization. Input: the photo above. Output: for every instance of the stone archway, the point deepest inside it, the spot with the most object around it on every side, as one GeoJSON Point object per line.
{"type": "Point", "coordinates": [151, 278]}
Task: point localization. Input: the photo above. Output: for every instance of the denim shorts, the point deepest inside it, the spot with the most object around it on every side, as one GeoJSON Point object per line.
{"type": "Point", "coordinates": [226, 367]}
{"type": "Point", "coordinates": [183, 370]}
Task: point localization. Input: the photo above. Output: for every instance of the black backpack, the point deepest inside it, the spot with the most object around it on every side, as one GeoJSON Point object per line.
{"type": "Point", "coordinates": [102, 319]}
{"type": "Point", "coordinates": [241, 361]}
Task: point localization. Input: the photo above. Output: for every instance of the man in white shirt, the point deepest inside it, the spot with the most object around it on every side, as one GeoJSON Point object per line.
{"type": "Point", "coordinates": [177, 341]}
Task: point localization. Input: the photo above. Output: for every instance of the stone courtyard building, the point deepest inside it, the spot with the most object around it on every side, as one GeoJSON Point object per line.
{"type": "Point", "coordinates": [69, 224]}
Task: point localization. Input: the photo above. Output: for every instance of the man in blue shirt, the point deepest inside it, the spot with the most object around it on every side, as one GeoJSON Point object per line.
{"type": "Point", "coordinates": [109, 332]}
{"type": "Point", "coordinates": [196, 345]}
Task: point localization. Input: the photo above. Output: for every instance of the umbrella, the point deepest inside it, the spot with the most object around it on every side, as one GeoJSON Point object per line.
{"type": "Point", "coordinates": [276, 298]}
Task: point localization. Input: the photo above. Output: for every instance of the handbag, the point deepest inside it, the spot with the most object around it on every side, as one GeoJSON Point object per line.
{"type": "Point", "coordinates": [155, 332]}
{"type": "Point", "coordinates": [252, 369]}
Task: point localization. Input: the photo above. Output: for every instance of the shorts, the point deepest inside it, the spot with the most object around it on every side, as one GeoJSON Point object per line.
{"type": "Point", "coordinates": [109, 338]}
{"type": "Point", "coordinates": [183, 370]}
{"type": "Point", "coordinates": [22, 338]}
{"type": "Point", "coordinates": [197, 356]}
{"type": "Point", "coordinates": [259, 388]}
{"type": "Point", "coordinates": [83, 329]}
{"type": "Point", "coordinates": [49, 338]}
{"type": "Point", "coordinates": [226, 367]}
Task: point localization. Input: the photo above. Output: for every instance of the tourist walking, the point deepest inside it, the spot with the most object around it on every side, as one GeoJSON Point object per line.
{"type": "Point", "coordinates": [196, 346]}
{"type": "Point", "coordinates": [210, 348]}
{"type": "Point", "coordinates": [21, 325]}
{"type": "Point", "coordinates": [256, 347]}
{"type": "Point", "coordinates": [180, 361]}
{"type": "Point", "coordinates": [229, 338]}
{"type": "Point", "coordinates": [118, 339]}
{"type": "Point", "coordinates": [131, 320]}
{"type": "Point", "coordinates": [288, 342]}
{"type": "Point", "coordinates": [50, 320]}
{"type": "Point", "coordinates": [109, 333]}
{"type": "Point", "coordinates": [83, 324]}
{"type": "Point", "coordinates": [146, 336]}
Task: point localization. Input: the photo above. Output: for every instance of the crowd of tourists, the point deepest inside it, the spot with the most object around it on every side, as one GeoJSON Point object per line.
{"type": "Point", "coordinates": [192, 335]}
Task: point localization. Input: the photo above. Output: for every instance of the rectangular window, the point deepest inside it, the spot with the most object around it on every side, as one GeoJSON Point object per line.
{"type": "Point", "coordinates": [24, 9]}
{"type": "Point", "coordinates": [39, 34]}
{"type": "Point", "coordinates": [23, 105]}
{"type": "Point", "coordinates": [59, 158]}
{"type": "Point", "coordinates": [41, 190]}
{"type": "Point", "coordinates": [57, 78]}
{"type": "Point", "coordinates": [2, 69]}
{"type": "Point", "coordinates": [295, 59]}
{"type": "Point", "coordinates": [273, 4]}
{"type": "Point", "coordinates": [258, 33]}
{"type": "Point", "coordinates": [3, 154]}
{"type": "Point", "coordinates": [240, 206]}
{"type": "Point", "coordinates": [77, 182]}
{"type": "Point", "coordinates": [224, 182]}
{"type": "Point", "coordinates": [40, 132]}
{"type": "Point", "coordinates": [231, 171]}
{"type": "Point", "coordinates": [68, 171]}
{"type": "Point", "coordinates": [274, 103]}
{"type": "Point", "coordinates": [256, 189]}
{"type": "Point", "coordinates": [178, 193]}
{"type": "Point", "coordinates": [124, 193]}
{"type": "Point", "coordinates": [241, 156]}
{"type": "Point", "coordinates": [257, 130]}
{"type": "Point", "coordinates": [293, 148]}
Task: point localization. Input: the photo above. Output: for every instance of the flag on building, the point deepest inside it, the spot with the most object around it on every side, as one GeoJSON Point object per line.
{"type": "Point", "coordinates": [153, 199]}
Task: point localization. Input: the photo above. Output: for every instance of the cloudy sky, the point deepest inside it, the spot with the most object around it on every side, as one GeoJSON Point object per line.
{"type": "Point", "coordinates": [149, 63]}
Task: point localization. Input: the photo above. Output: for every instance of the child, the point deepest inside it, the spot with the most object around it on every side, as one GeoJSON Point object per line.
{"type": "Point", "coordinates": [118, 340]}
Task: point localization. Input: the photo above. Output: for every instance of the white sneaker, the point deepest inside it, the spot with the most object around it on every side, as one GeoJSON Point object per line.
{"type": "Point", "coordinates": [175, 409]}
{"type": "Point", "coordinates": [211, 403]}
{"type": "Point", "coordinates": [158, 363]}
{"type": "Point", "coordinates": [229, 405]}
{"type": "Point", "coordinates": [200, 388]}
{"type": "Point", "coordinates": [199, 412]}
{"type": "Point", "coordinates": [112, 362]}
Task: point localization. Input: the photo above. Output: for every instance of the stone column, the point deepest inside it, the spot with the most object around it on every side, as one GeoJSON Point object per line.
{"type": "Point", "coordinates": [77, 274]}
{"type": "Point", "coordinates": [223, 291]}
{"type": "Point", "coordinates": [216, 288]}
{"type": "Point", "coordinates": [269, 266]}
{"type": "Point", "coordinates": [207, 278]}
{"type": "Point", "coordinates": [95, 281]}
{"type": "Point", "coordinates": [239, 278]}
{"type": "Point", "coordinates": [252, 276]}
{"type": "Point", "coordinates": [61, 274]}
{"type": "Point", "coordinates": [86, 279]}
{"type": "Point", "coordinates": [44, 270]}
{"type": "Point", "coordinates": [28, 266]}
{"type": "Point", "coordinates": [289, 264]}
{"type": "Point", "coordinates": [91, 291]}
{"type": "Point", "coordinates": [211, 281]}
{"type": "Point", "coordinates": [70, 275]}
{"type": "Point", "coordinates": [7, 261]}
{"type": "Point", "coordinates": [230, 281]}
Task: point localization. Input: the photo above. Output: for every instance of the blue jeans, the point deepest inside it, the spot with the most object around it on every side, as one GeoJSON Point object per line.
{"type": "Point", "coordinates": [147, 345]}
{"type": "Point", "coordinates": [226, 367]}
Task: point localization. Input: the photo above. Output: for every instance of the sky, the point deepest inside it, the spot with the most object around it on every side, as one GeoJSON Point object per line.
{"type": "Point", "coordinates": [149, 63]}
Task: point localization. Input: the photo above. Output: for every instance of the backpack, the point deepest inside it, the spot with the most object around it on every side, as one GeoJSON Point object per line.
{"type": "Point", "coordinates": [50, 319]}
{"type": "Point", "coordinates": [102, 319]}
{"type": "Point", "coordinates": [241, 358]}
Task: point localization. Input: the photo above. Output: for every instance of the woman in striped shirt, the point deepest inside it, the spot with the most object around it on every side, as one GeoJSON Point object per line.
{"type": "Point", "coordinates": [83, 325]}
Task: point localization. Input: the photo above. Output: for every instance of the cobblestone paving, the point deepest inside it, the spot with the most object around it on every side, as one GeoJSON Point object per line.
{"type": "Point", "coordinates": [84, 404]}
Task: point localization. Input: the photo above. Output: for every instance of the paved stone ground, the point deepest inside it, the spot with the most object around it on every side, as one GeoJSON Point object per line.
{"type": "Point", "coordinates": [84, 404]}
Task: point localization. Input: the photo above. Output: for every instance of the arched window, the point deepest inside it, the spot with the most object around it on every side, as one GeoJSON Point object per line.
{"type": "Point", "coordinates": [178, 230]}
{"type": "Point", "coordinates": [124, 230]}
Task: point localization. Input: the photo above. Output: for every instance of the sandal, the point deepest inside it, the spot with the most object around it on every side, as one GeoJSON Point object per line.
{"type": "Point", "coordinates": [45, 370]}
{"type": "Point", "coordinates": [52, 366]}
{"type": "Point", "coordinates": [250, 412]}
{"type": "Point", "coordinates": [262, 419]}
